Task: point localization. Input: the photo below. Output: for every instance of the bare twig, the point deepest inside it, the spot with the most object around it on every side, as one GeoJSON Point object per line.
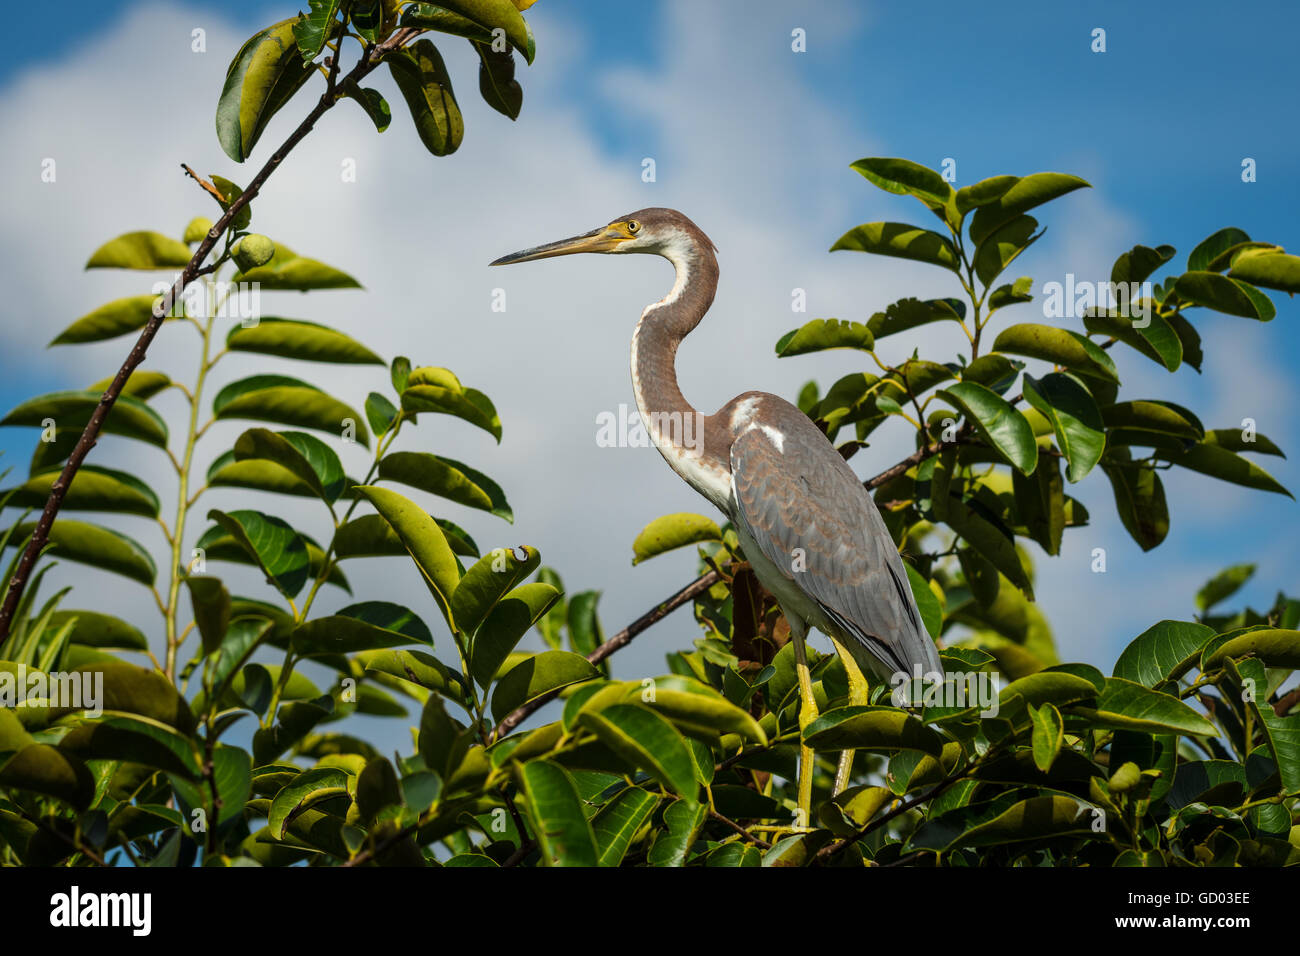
{"type": "Point", "coordinates": [370, 58]}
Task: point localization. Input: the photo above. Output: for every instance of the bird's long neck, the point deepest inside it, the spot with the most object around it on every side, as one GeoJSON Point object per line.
{"type": "Point", "coordinates": [678, 430]}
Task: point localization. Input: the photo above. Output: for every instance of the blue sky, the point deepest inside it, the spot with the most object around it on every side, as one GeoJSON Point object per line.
{"type": "Point", "coordinates": [751, 140]}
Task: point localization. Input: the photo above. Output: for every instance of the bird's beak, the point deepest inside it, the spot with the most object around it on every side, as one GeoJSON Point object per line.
{"type": "Point", "coordinates": [598, 240]}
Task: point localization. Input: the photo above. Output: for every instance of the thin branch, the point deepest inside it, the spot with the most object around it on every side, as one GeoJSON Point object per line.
{"type": "Point", "coordinates": [761, 844]}
{"type": "Point", "coordinates": [90, 435]}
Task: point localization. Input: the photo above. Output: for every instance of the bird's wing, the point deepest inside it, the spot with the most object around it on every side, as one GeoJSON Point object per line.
{"type": "Point", "coordinates": [804, 507]}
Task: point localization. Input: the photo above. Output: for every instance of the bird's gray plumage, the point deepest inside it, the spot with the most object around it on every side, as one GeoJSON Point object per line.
{"type": "Point", "coordinates": [813, 519]}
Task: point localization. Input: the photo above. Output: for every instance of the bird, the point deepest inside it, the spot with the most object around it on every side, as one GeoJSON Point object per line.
{"type": "Point", "coordinates": [806, 524]}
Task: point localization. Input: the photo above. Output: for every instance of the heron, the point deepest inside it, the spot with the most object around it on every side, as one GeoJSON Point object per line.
{"type": "Point", "coordinates": [806, 524]}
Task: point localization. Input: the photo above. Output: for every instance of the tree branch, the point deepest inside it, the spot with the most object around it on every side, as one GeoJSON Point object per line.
{"type": "Point", "coordinates": [90, 435]}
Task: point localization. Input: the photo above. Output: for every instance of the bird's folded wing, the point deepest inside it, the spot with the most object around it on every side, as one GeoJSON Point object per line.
{"type": "Point", "coordinates": [811, 516]}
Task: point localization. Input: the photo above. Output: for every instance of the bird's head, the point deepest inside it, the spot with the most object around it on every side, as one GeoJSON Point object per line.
{"type": "Point", "coordinates": [657, 231]}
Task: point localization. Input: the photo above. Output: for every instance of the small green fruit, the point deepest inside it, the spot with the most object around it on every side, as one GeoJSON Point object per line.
{"type": "Point", "coordinates": [197, 229]}
{"type": "Point", "coordinates": [252, 251]}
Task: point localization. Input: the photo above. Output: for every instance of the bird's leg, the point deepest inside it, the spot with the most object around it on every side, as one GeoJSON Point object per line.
{"type": "Point", "coordinates": [859, 693]}
{"type": "Point", "coordinates": [807, 714]}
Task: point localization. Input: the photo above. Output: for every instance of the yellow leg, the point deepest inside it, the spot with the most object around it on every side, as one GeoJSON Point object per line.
{"type": "Point", "coordinates": [807, 714]}
{"type": "Point", "coordinates": [859, 693]}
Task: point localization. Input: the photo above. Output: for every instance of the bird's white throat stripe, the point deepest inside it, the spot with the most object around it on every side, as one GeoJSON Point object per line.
{"type": "Point", "coordinates": [743, 420]}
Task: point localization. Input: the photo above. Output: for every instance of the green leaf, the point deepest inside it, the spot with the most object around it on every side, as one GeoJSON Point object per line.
{"type": "Point", "coordinates": [418, 668]}
{"type": "Point", "coordinates": [1162, 652]}
{"type": "Point", "coordinates": [271, 543]}
{"type": "Point", "coordinates": [211, 603]}
{"type": "Point", "coordinates": [904, 177]}
{"type": "Point", "coordinates": [423, 539]}
{"type": "Point", "coordinates": [997, 251]}
{"type": "Point", "coordinates": [1076, 422]}
{"type": "Point", "coordinates": [143, 384]}
{"type": "Point", "coordinates": [683, 819]}
{"type": "Point", "coordinates": [370, 536]}
{"type": "Point", "coordinates": [1032, 819]}
{"type": "Point", "coordinates": [861, 727]}
{"type": "Point", "coordinates": [1140, 501]}
{"type": "Point", "coordinates": [422, 77]}
{"type": "Point", "coordinates": [1140, 262]}
{"type": "Point", "coordinates": [1223, 586]}
{"type": "Point", "coordinates": [697, 709]}
{"type": "Point", "coordinates": [446, 478]}
{"type": "Point", "coordinates": [983, 192]}
{"type": "Point", "coordinates": [564, 835]}
{"type": "Point", "coordinates": [619, 820]}
{"type": "Point", "coordinates": [109, 321]}
{"type": "Point", "coordinates": [1224, 294]}
{"type": "Point", "coordinates": [1000, 425]}
{"type": "Point", "coordinates": [232, 776]}
{"type": "Point", "coordinates": [1235, 439]}
{"type": "Point", "coordinates": [537, 676]}
{"type": "Point", "coordinates": [309, 788]}
{"type": "Point", "coordinates": [141, 250]}
{"type": "Point", "coordinates": [263, 475]}
{"type": "Point", "coordinates": [1159, 417]}
{"type": "Point", "coordinates": [311, 31]}
{"type": "Point", "coordinates": [585, 632]}
{"type": "Point", "coordinates": [1019, 198]}
{"type": "Point", "coordinates": [994, 543]}
{"type": "Point", "coordinates": [1125, 705]}
{"type": "Point", "coordinates": [993, 371]}
{"type": "Point", "coordinates": [262, 78]}
{"type": "Point", "coordinates": [505, 624]}
{"type": "Point", "coordinates": [288, 401]}
{"type": "Point", "coordinates": [44, 769]}
{"type": "Point", "coordinates": [670, 532]}
{"type": "Point", "coordinates": [1218, 462]}
{"type": "Point", "coordinates": [137, 741]}
{"type": "Point", "coordinates": [304, 456]}
{"type": "Point", "coordinates": [103, 631]}
{"type": "Point", "coordinates": [72, 410]}
{"type": "Point", "coordinates": [487, 15]}
{"type": "Point", "coordinates": [926, 601]}
{"type": "Point", "coordinates": [900, 240]}
{"type": "Point", "coordinates": [136, 690]}
{"type": "Point", "coordinates": [822, 334]}
{"type": "Point", "coordinates": [93, 489]}
{"type": "Point", "coordinates": [647, 741]}
{"type": "Point", "coordinates": [1047, 735]}
{"type": "Point", "coordinates": [230, 194]}
{"type": "Point", "coordinates": [370, 100]}
{"type": "Point", "coordinates": [1272, 270]}
{"type": "Point", "coordinates": [1275, 647]}
{"type": "Point", "coordinates": [438, 390]}
{"type": "Point", "coordinates": [1157, 339]}
{"type": "Point", "coordinates": [1209, 248]}
{"type": "Point", "coordinates": [910, 313]}
{"type": "Point", "coordinates": [1058, 346]}
{"type": "Point", "coordinates": [380, 413]}
{"type": "Point", "coordinates": [1040, 501]}
{"type": "Point", "coordinates": [486, 583]}
{"type": "Point", "coordinates": [296, 339]}
{"type": "Point", "coordinates": [1011, 293]}
{"type": "Point", "coordinates": [99, 547]}
{"type": "Point", "coordinates": [288, 271]}
{"type": "Point", "coordinates": [368, 626]}
{"type": "Point", "coordinates": [496, 80]}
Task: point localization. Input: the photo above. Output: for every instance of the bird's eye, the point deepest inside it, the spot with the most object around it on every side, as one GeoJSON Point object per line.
{"type": "Point", "coordinates": [633, 227]}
